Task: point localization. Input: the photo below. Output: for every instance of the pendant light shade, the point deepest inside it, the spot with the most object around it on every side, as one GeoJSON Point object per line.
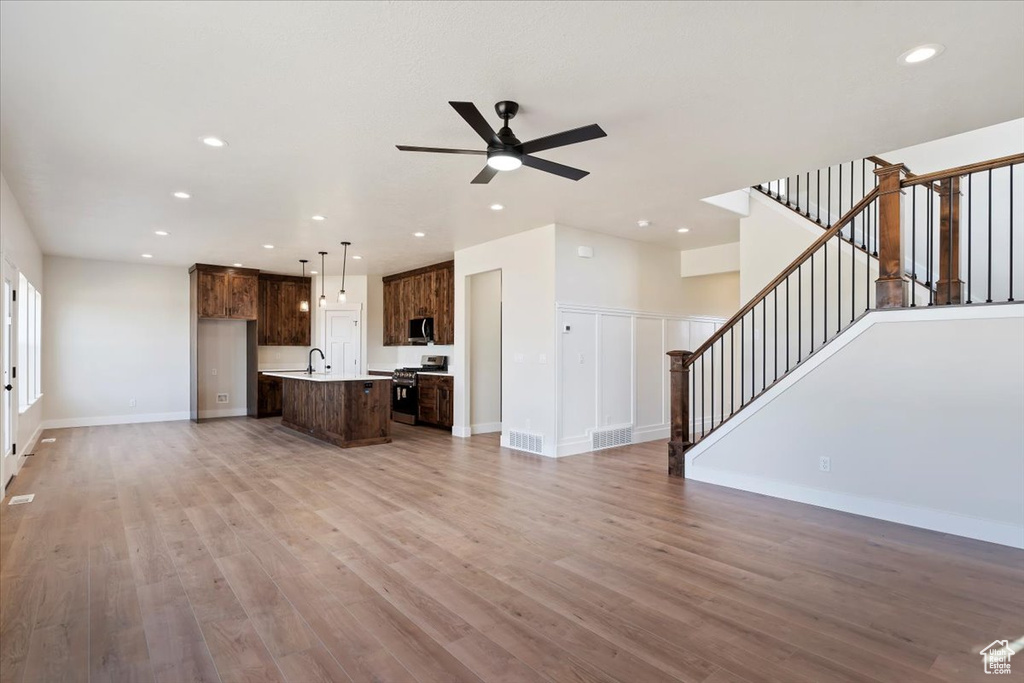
{"type": "Point", "coordinates": [323, 275]}
{"type": "Point", "coordinates": [342, 298]}
{"type": "Point", "coordinates": [304, 304]}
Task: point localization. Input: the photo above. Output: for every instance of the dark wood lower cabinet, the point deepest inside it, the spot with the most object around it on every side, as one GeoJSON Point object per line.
{"type": "Point", "coordinates": [435, 399]}
{"type": "Point", "coordinates": [343, 413]}
{"type": "Point", "coordinates": [268, 399]}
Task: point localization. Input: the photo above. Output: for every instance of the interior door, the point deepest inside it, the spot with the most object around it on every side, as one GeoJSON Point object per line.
{"type": "Point", "coordinates": [342, 344]}
{"type": "Point", "coordinates": [8, 415]}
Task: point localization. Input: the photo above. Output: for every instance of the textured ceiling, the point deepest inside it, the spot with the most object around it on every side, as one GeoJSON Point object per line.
{"type": "Point", "coordinates": [102, 105]}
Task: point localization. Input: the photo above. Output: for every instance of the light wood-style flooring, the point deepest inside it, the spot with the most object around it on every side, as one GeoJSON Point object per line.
{"type": "Point", "coordinates": [237, 551]}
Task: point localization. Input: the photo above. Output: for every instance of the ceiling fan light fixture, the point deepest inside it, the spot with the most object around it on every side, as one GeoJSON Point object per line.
{"type": "Point", "coordinates": [503, 161]}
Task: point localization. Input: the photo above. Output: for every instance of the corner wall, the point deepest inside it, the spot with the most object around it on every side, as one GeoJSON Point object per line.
{"type": "Point", "coordinates": [114, 332]}
{"type": "Point", "coordinates": [527, 264]}
{"type": "Point", "coordinates": [19, 248]}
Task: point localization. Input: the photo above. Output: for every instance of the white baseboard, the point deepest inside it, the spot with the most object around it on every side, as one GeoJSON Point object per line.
{"type": "Point", "coordinates": [890, 511]}
{"type": "Point", "coordinates": [462, 432]}
{"type": "Point", "coordinates": [486, 428]}
{"type": "Point", "coordinates": [19, 460]}
{"type": "Point", "coordinates": [222, 412]}
{"type": "Point", "coordinates": [114, 420]}
{"type": "Point", "coordinates": [584, 444]}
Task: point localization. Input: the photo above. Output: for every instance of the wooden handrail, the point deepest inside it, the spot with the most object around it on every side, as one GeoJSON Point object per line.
{"type": "Point", "coordinates": [963, 170]}
{"type": "Point", "coordinates": [781, 277]}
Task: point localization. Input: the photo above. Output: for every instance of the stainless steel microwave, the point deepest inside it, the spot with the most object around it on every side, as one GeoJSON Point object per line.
{"type": "Point", "coordinates": [421, 330]}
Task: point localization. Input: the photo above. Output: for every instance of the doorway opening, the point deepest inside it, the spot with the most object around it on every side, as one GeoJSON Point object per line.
{"type": "Point", "coordinates": [483, 294]}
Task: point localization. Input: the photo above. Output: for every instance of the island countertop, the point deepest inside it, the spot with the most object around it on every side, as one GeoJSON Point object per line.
{"type": "Point", "coordinates": [326, 377]}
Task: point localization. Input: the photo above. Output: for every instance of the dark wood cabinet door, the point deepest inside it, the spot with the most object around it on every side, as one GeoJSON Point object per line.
{"type": "Point", "coordinates": [243, 296]}
{"type": "Point", "coordinates": [427, 402]}
{"type": "Point", "coordinates": [213, 295]}
{"type": "Point", "coordinates": [444, 407]}
{"type": "Point", "coordinates": [268, 400]}
{"type": "Point", "coordinates": [444, 306]}
{"type": "Point", "coordinates": [425, 293]}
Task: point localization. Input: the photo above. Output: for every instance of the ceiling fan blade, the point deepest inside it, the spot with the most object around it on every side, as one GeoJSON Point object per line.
{"type": "Point", "coordinates": [440, 150]}
{"type": "Point", "coordinates": [568, 137]}
{"type": "Point", "coordinates": [476, 120]}
{"type": "Point", "coordinates": [484, 176]}
{"type": "Point", "coordinates": [551, 167]}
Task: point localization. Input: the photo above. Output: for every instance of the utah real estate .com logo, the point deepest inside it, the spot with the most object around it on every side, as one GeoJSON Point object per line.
{"type": "Point", "coordinates": [997, 657]}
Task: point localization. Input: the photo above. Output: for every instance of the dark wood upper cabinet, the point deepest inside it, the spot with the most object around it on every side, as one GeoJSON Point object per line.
{"type": "Point", "coordinates": [281, 322]}
{"type": "Point", "coordinates": [422, 293]}
{"type": "Point", "coordinates": [225, 292]}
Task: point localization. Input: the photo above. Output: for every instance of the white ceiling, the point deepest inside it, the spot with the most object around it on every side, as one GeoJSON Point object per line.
{"type": "Point", "coordinates": [102, 105]}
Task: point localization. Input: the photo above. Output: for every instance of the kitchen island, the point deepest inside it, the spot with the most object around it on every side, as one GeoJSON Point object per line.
{"type": "Point", "coordinates": [343, 411]}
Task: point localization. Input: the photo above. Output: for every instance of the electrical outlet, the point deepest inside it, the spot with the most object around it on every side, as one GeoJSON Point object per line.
{"type": "Point", "coordinates": [131, 403]}
{"type": "Point", "coordinates": [520, 358]}
{"type": "Point", "coordinates": [542, 358]}
{"type": "Point", "coordinates": [825, 463]}
{"type": "Point", "coordinates": [222, 398]}
{"type": "Point", "coordinates": [581, 361]}
{"type": "Point", "coordinates": [214, 372]}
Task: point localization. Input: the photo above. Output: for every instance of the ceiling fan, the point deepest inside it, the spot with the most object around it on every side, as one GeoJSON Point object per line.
{"type": "Point", "coordinates": [504, 150]}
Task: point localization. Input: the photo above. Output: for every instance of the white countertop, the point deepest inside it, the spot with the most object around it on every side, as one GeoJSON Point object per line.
{"type": "Point", "coordinates": [431, 372]}
{"type": "Point", "coordinates": [325, 377]}
{"type": "Point", "coordinates": [268, 370]}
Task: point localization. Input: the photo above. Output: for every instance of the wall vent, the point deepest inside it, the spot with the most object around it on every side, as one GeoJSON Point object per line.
{"type": "Point", "coordinates": [222, 398]}
{"type": "Point", "coordinates": [611, 437]}
{"type": "Point", "coordinates": [525, 441]}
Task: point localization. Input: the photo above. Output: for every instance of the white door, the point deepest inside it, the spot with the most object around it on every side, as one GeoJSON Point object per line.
{"type": "Point", "coordinates": [8, 415]}
{"type": "Point", "coordinates": [342, 343]}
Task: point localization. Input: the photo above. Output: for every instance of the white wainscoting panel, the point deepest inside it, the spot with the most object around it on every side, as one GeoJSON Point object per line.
{"type": "Point", "coordinates": [613, 371]}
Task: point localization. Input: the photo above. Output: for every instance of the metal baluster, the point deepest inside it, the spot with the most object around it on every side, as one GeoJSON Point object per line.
{"type": "Point", "coordinates": [864, 190]}
{"type": "Point", "coordinates": [913, 246]}
{"type": "Point", "coordinates": [852, 202]}
{"type": "Point", "coordinates": [989, 299]}
{"type": "Point", "coordinates": [931, 218]}
{"type": "Point", "coordinates": [853, 269]}
{"type": "Point", "coordinates": [732, 371]}
{"type": "Point", "coordinates": [824, 297]}
{"type": "Point", "coordinates": [828, 218]}
{"type": "Point", "coordinates": [798, 193]}
{"type": "Point", "coordinates": [743, 357]}
{"type": "Point", "coordinates": [840, 192]}
{"type": "Point", "coordinates": [839, 279]}
{"type": "Point", "coordinates": [721, 372]}
{"type": "Point", "coordinates": [764, 341]}
{"type": "Point", "coordinates": [969, 208]}
{"type": "Point", "coordinates": [807, 209]}
{"type": "Point", "coordinates": [775, 347]}
{"type": "Point", "coordinates": [949, 260]}
{"type": "Point", "coordinates": [817, 203]}
{"type": "Point", "coordinates": [867, 258]}
{"type": "Point", "coordinates": [787, 323]}
{"type": "Point", "coordinates": [799, 312]}
{"type": "Point", "coordinates": [812, 303]}
{"type": "Point", "coordinates": [1011, 234]}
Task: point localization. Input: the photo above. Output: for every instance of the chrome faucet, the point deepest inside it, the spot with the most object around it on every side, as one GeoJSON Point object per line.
{"type": "Point", "coordinates": [309, 370]}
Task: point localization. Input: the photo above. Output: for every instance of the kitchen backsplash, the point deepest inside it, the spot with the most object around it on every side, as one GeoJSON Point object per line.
{"type": "Point", "coordinates": [283, 357]}
{"type": "Point", "coordinates": [297, 357]}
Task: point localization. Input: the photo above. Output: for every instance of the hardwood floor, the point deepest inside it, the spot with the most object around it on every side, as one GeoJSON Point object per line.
{"type": "Point", "coordinates": [236, 551]}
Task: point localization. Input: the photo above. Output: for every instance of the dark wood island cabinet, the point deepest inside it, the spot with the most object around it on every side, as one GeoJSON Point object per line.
{"type": "Point", "coordinates": [344, 411]}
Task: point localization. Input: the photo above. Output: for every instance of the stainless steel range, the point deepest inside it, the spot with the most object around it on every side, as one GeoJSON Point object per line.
{"type": "Point", "coordinates": [405, 396]}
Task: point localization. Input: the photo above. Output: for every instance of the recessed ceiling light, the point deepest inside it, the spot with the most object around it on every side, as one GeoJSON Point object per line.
{"type": "Point", "coordinates": [318, 217]}
{"type": "Point", "coordinates": [312, 272]}
{"type": "Point", "coordinates": [643, 224]}
{"type": "Point", "coordinates": [182, 195]}
{"type": "Point", "coordinates": [921, 53]}
{"type": "Point", "coordinates": [147, 256]}
{"type": "Point", "coordinates": [683, 230]}
{"type": "Point", "coordinates": [358, 258]}
{"type": "Point", "coordinates": [268, 246]}
{"type": "Point", "coordinates": [162, 233]}
{"type": "Point", "coordinates": [211, 141]}
{"type": "Point", "coordinates": [496, 207]}
{"type": "Point", "coordinates": [419, 234]}
{"type": "Point", "coordinates": [237, 265]}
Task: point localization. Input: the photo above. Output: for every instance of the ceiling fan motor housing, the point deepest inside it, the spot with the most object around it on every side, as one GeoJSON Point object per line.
{"type": "Point", "coordinates": [507, 109]}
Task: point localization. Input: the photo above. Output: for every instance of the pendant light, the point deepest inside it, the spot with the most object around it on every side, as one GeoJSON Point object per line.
{"type": "Point", "coordinates": [323, 275]}
{"type": "Point", "coordinates": [344, 262]}
{"type": "Point", "coordinates": [304, 304]}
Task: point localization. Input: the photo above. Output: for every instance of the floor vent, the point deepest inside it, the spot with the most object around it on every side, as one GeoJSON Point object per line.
{"type": "Point", "coordinates": [525, 441]}
{"type": "Point", "coordinates": [49, 440]}
{"type": "Point", "coordinates": [612, 437]}
{"type": "Point", "coordinates": [21, 500]}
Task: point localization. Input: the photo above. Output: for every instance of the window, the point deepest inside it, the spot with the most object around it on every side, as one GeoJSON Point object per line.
{"type": "Point", "coordinates": [30, 326]}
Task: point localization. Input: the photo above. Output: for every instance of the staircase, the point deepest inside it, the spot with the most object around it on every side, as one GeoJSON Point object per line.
{"type": "Point", "coordinates": [890, 239]}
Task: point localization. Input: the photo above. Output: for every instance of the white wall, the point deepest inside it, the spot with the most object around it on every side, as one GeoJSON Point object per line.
{"type": "Point", "coordinates": [922, 437]}
{"type": "Point", "coordinates": [113, 332]}
{"type": "Point", "coordinates": [527, 263]}
{"type": "Point", "coordinates": [484, 353]}
{"type": "Point", "coordinates": [19, 248]}
{"type": "Point", "coordinates": [222, 347]}
{"type": "Point", "coordinates": [721, 258]}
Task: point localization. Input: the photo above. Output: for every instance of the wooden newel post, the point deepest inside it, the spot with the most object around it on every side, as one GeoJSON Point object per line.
{"type": "Point", "coordinates": [889, 290]}
{"type": "Point", "coordinates": [679, 398]}
{"type": "Point", "coordinates": [949, 286]}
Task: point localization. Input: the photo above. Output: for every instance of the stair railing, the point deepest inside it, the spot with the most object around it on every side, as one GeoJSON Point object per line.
{"type": "Point", "coordinates": [836, 280]}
